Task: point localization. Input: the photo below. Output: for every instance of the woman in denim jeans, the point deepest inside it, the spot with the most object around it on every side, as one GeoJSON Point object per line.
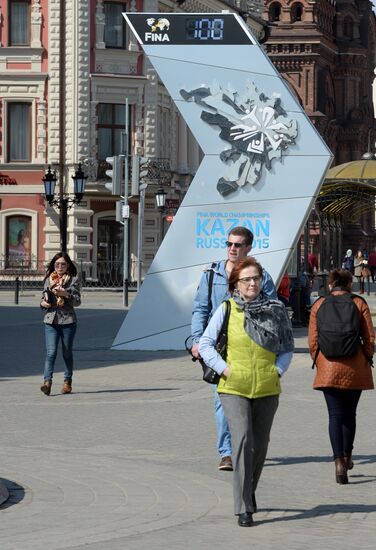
{"type": "Point", "coordinates": [61, 295]}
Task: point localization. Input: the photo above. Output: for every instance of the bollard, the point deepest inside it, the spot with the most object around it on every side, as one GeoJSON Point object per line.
{"type": "Point", "coordinates": [125, 293]}
{"type": "Point", "coordinates": [17, 290]}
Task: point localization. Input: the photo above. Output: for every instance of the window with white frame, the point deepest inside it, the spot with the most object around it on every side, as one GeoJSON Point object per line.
{"type": "Point", "coordinates": [19, 22]}
{"type": "Point", "coordinates": [115, 26]}
{"type": "Point", "coordinates": [111, 126]}
{"type": "Point", "coordinates": [19, 132]}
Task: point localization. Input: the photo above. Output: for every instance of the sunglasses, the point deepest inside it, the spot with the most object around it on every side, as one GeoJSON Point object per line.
{"type": "Point", "coordinates": [60, 264]}
{"type": "Point", "coordinates": [229, 244]}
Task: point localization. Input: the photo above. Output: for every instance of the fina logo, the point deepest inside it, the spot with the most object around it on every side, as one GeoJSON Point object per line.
{"type": "Point", "coordinates": [157, 27]}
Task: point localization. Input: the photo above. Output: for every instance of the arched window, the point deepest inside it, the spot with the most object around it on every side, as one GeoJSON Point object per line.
{"type": "Point", "coordinates": [275, 11]}
{"type": "Point", "coordinates": [348, 28]}
{"type": "Point", "coordinates": [296, 12]}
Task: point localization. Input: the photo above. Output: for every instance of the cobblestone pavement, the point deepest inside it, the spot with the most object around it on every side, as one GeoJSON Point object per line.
{"type": "Point", "coordinates": [128, 460]}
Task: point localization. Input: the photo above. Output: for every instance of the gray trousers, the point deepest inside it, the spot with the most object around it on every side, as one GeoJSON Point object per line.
{"type": "Point", "coordinates": [250, 422]}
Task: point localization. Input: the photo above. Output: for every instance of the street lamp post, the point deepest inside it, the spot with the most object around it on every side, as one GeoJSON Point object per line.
{"type": "Point", "coordinates": [63, 203]}
{"type": "Point", "coordinates": [160, 198]}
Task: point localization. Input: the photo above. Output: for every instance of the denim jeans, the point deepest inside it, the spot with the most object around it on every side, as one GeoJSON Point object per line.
{"type": "Point", "coordinates": [223, 430]}
{"type": "Point", "coordinates": [54, 333]}
{"type": "Point", "coordinates": [342, 406]}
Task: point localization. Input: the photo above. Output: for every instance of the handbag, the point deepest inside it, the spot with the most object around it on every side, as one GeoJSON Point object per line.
{"type": "Point", "coordinates": [209, 375]}
{"type": "Point", "coordinates": [49, 296]}
{"type": "Point", "coordinates": [366, 272]}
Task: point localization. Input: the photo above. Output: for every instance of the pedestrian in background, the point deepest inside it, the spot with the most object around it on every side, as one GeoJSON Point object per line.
{"type": "Point", "coordinates": [342, 379]}
{"type": "Point", "coordinates": [313, 266]}
{"type": "Point", "coordinates": [61, 295]}
{"type": "Point", "coordinates": [259, 350]}
{"type": "Point", "coordinates": [360, 264]}
{"type": "Point", "coordinates": [212, 290]}
{"type": "Point", "coordinates": [372, 264]}
{"type": "Point", "coordinates": [348, 261]}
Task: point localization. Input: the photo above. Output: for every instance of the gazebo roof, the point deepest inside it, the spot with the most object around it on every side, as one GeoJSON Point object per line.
{"type": "Point", "coordinates": [364, 169]}
{"type": "Point", "coordinates": [349, 186]}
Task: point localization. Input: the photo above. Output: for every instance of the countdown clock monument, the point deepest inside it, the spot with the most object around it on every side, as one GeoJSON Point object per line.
{"type": "Point", "coordinates": [262, 168]}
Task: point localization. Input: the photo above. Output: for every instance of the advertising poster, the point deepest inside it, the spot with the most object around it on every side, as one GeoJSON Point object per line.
{"type": "Point", "coordinates": [18, 241]}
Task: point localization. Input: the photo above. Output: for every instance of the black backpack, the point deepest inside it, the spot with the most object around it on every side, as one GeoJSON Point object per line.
{"type": "Point", "coordinates": [338, 326]}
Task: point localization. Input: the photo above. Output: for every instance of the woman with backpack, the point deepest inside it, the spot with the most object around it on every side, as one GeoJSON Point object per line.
{"type": "Point", "coordinates": [341, 343]}
{"type": "Point", "coordinates": [259, 350]}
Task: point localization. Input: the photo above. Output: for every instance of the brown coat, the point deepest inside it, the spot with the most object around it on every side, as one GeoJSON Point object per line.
{"type": "Point", "coordinates": [349, 372]}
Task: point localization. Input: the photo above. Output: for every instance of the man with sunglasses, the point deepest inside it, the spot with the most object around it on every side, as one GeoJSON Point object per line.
{"type": "Point", "coordinates": [211, 292]}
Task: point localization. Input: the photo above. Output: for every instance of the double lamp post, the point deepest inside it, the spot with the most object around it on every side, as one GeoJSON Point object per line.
{"type": "Point", "coordinates": [63, 202]}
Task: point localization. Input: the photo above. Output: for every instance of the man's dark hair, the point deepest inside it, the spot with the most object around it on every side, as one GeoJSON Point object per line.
{"type": "Point", "coordinates": [339, 277]}
{"type": "Point", "coordinates": [243, 232]}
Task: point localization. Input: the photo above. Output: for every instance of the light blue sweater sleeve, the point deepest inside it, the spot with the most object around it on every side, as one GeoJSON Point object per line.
{"type": "Point", "coordinates": [209, 339]}
{"type": "Point", "coordinates": [283, 362]}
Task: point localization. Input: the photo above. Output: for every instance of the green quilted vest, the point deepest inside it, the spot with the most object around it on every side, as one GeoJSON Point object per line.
{"type": "Point", "coordinates": [253, 370]}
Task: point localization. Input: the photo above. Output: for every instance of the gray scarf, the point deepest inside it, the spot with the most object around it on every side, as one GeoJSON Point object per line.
{"type": "Point", "coordinates": [267, 323]}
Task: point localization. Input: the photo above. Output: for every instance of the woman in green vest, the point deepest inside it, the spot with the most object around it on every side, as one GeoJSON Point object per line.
{"type": "Point", "coordinates": [259, 350]}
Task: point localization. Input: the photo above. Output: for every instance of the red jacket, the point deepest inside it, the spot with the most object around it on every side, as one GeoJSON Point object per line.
{"type": "Point", "coordinates": [349, 372]}
{"type": "Point", "coordinates": [284, 287]}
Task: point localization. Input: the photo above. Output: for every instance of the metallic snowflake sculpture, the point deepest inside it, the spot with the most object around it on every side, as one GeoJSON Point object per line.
{"type": "Point", "coordinates": [256, 126]}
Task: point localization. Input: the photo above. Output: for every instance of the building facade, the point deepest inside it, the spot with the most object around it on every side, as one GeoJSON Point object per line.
{"type": "Point", "coordinates": [67, 69]}
{"type": "Point", "coordinates": [325, 50]}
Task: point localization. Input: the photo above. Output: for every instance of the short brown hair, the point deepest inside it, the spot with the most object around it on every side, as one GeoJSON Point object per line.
{"type": "Point", "coordinates": [240, 231]}
{"type": "Point", "coordinates": [339, 277]}
{"type": "Point", "coordinates": [238, 267]}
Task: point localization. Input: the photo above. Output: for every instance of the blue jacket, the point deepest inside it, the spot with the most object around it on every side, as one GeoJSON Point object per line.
{"type": "Point", "coordinates": [202, 312]}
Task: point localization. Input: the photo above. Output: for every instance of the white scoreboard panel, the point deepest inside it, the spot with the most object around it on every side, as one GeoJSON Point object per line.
{"type": "Point", "coordinates": [262, 168]}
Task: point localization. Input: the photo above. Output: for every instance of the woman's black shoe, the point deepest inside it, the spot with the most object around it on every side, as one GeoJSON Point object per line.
{"type": "Point", "coordinates": [245, 520]}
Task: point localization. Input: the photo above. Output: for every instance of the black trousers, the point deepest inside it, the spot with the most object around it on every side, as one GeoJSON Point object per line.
{"type": "Point", "coordinates": [342, 405]}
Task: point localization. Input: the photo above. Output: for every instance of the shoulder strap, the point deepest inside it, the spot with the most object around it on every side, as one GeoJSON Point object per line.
{"type": "Point", "coordinates": [227, 315]}
{"type": "Point", "coordinates": [210, 285]}
{"type": "Point", "coordinates": [221, 344]}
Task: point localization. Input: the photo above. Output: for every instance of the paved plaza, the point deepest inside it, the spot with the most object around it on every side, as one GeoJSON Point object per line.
{"type": "Point", "coordinates": [128, 461]}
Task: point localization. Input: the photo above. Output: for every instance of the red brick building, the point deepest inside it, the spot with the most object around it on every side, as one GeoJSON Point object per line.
{"type": "Point", "coordinates": [325, 49]}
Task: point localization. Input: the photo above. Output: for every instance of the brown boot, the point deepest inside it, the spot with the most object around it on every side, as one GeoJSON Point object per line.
{"type": "Point", "coordinates": [348, 461]}
{"type": "Point", "coordinates": [67, 386]}
{"type": "Point", "coordinates": [341, 471]}
{"type": "Point", "coordinates": [46, 387]}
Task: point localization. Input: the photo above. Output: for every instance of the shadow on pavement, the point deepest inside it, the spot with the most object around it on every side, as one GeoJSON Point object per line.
{"type": "Point", "coordinates": [16, 493]}
{"type": "Point", "coordinates": [23, 347]}
{"type": "Point", "coordinates": [318, 511]}
{"type": "Point", "coordinates": [287, 460]}
{"type": "Point", "coordinates": [127, 390]}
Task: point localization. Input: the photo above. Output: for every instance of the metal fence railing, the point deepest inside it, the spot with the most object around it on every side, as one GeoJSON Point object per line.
{"type": "Point", "coordinates": [30, 273]}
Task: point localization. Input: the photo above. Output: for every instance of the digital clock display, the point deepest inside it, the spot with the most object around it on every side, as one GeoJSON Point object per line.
{"type": "Point", "coordinates": [205, 29]}
{"type": "Point", "coordinates": [193, 29]}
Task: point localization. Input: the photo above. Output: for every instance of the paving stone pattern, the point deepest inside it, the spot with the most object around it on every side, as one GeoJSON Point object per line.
{"type": "Point", "coordinates": [128, 460]}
